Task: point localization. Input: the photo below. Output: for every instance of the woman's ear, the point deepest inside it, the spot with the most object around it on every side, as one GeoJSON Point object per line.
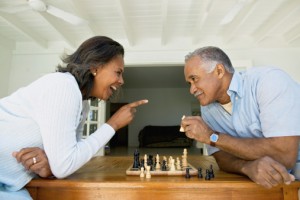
{"type": "Point", "coordinates": [93, 71]}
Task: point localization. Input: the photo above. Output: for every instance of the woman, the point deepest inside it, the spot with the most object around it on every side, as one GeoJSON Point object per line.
{"type": "Point", "coordinates": [49, 114]}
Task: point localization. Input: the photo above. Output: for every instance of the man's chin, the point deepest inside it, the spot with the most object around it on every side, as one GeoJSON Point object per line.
{"type": "Point", "coordinates": [203, 103]}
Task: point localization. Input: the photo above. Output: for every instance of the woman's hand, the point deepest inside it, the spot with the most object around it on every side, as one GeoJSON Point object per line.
{"type": "Point", "coordinates": [35, 160]}
{"type": "Point", "coordinates": [124, 115]}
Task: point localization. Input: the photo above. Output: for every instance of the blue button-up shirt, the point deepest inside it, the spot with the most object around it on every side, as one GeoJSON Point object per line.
{"type": "Point", "coordinates": [265, 103]}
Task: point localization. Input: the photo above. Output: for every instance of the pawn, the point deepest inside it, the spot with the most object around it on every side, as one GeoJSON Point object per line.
{"type": "Point", "coordinates": [172, 165]}
{"type": "Point", "coordinates": [200, 172]}
{"type": "Point", "coordinates": [207, 176]}
{"type": "Point", "coordinates": [164, 165]}
{"type": "Point", "coordinates": [142, 174]}
{"type": "Point", "coordinates": [187, 173]}
{"type": "Point", "coordinates": [148, 175]}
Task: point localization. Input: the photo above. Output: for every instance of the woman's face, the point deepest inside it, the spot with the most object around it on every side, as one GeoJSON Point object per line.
{"type": "Point", "coordinates": [108, 78]}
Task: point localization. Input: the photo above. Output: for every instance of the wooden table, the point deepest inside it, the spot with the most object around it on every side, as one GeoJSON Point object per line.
{"type": "Point", "coordinates": [105, 178]}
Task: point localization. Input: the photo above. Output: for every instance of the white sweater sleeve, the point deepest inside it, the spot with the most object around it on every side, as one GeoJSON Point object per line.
{"type": "Point", "coordinates": [58, 114]}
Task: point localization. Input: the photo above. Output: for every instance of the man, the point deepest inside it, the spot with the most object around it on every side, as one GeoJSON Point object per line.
{"type": "Point", "coordinates": [251, 119]}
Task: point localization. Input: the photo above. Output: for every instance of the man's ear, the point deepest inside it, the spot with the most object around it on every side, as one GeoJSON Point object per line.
{"type": "Point", "coordinates": [220, 70]}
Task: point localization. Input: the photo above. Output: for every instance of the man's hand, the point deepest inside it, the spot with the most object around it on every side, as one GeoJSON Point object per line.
{"type": "Point", "coordinates": [267, 172]}
{"type": "Point", "coordinates": [35, 160]}
{"type": "Point", "coordinates": [195, 128]}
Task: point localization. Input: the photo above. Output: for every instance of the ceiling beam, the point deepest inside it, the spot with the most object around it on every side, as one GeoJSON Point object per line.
{"type": "Point", "coordinates": [15, 22]}
{"type": "Point", "coordinates": [82, 14]}
{"type": "Point", "coordinates": [284, 10]}
{"type": "Point", "coordinates": [125, 22]}
{"type": "Point", "coordinates": [204, 12]}
{"type": "Point", "coordinates": [229, 30]}
{"type": "Point", "coordinates": [164, 24]}
{"type": "Point", "coordinates": [59, 28]}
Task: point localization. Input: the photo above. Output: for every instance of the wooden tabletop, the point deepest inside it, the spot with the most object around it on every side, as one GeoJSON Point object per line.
{"type": "Point", "coordinates": [105, 177]}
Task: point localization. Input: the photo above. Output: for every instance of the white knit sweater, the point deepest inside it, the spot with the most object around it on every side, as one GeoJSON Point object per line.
{"type": "Point", "coordinates": [45, 114]}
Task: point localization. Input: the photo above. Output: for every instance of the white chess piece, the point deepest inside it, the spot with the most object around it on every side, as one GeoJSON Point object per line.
{"type": "Point", "coordinates": [172, 165]}
{"type": "Point", "coordinates": [145, 160]}
{"type": "Point", "coordinates": [148, 175]}
{"type": "Point", "coordinates": [142, 174]}
{"type": "Point", "coordinates": [181, 128]}
{"type": "Point", "coordinates": [157, 167]}
{"type": "Point", "coordinates": [178, 166]}
{"type": "Point", "coordinates": [184, 159]}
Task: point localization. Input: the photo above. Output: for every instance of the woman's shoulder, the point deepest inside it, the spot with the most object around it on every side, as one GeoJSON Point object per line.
{"type": "Point", "coordinates": [57, 78]}
{"type": "Point", "coordinates": [57, 81]}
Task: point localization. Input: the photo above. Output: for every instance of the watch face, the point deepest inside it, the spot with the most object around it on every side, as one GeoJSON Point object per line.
{"type": "Point", "coordinates": [214, 137]}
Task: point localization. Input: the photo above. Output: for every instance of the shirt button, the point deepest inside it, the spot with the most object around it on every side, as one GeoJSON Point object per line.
{"type": "Point", "coordinates": [236, 98]}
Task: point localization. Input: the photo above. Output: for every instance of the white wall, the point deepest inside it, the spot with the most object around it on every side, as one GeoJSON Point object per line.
{"type": "Point", "coordinates": [286, 59]}
{"type": "Point", "coordinates": [27, 62]}
{"type": "Point", "coordinates": [166, 107]}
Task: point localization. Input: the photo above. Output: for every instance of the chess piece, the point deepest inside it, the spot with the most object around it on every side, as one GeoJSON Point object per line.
{"type": "Point", "coordinates": [164, 165]}
{"type": "Point", "coordinates": [200, 172]}
{"type": "Point", "coordinates": [142, 163]}
{"type": "Point", "coordinates": [165, 158]}
{"type": "Point", "coordinates": [187, 173]}
{"type": "Point", "coordinates": [145, 160]}
{"type": "Point", "coordinates": [150, 162]}
{"type": "Point", "coordinates": [184, 159]}
{"type": "Point", "coordinates": [181, 128]}
{"type": "Point", "coordinates": [136, 159]}
{"type": "Point", "coordinates": [142, 174]}
{"type": "Point", "coordinates": [211, 172]}
{"type": "Point", "coordinates": [172, 165]}
{"type": "Point", "coordinates": [207, 176]}
{"type": "Point", "coordinates": [178, 165]}
{"type": "Point", "coordinates": [148, 175]}
{"type": "Point", "coordinates": [169, 162]}
{"type": "Point", "coordinates": [157, 166]}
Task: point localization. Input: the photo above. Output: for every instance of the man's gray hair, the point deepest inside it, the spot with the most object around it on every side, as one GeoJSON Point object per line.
{"type": "Point", "coordinates": [211, 56]}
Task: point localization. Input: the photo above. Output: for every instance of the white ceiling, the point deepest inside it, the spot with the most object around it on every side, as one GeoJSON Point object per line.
{"type": "Point", "coordinates": [167, 24]}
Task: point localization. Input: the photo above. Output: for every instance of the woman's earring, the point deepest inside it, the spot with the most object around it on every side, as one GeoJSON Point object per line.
{"type": "Point", "coordinates": [94, 73]}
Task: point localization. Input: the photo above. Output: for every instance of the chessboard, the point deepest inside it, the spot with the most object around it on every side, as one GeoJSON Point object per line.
{"type": "Point", "coordinates": [137, 171]}
{"type": "Point", "coordinates": [168, 167]}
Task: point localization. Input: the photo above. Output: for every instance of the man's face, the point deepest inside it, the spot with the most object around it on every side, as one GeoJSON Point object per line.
{"type": "Point", "coordinates": [204, 86]}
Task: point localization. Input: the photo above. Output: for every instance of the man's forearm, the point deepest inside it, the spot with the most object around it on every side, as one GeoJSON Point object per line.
{"type": "Point", "coordinates": [282, 149]}
{"type": "Point", "coordinates": [228, 162]}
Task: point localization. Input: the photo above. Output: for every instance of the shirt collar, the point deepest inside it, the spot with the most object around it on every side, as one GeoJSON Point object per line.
{"type": "Point", "coordinates": [236, 84]}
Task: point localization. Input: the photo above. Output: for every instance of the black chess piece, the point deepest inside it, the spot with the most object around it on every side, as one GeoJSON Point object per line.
{"type": "Point", "coordinates": [136, 159]}
{"type": "Point", "coordinates": [187, 173]}
{"type": "Point", "coordinates": [211, 172]}
{"type": "Point", "coordinates": [150, 162]}
{"type": "Point", "coordinates": [164, 166]}
{"type": "Point", "coordinates": [142, 163]}
{"type": "Point", "coordinates": [200, 172]}
{"type": "Point", "coordinates": [207, 176]}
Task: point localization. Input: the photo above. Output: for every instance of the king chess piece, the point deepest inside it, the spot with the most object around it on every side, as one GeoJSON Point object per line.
{"type": "Point", "coordinates": [136, 159]}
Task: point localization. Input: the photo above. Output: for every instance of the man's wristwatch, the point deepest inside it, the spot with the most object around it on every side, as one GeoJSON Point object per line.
{"type": "Point", "coordinates": [214, 138]}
